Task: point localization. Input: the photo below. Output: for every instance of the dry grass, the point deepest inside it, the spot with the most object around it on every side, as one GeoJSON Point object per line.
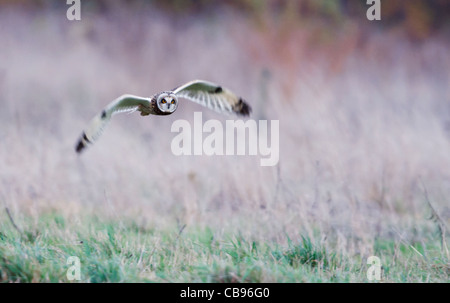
{"type": "Point", "coordinates": [360, 122]}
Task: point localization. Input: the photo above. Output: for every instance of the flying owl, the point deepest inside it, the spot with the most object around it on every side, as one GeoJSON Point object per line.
{"type": "Point", "coordinates": [202, 92]}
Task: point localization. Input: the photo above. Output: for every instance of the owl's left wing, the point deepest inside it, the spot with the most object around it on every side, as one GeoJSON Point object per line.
{"type": "Point", "coordinates": [214, 97]}
{"type": "Point", "coordinates": [125, 103]}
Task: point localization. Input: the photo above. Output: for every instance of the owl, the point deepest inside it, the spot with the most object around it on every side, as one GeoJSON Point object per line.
{"type": "Point", "coordinates": [202, 92]}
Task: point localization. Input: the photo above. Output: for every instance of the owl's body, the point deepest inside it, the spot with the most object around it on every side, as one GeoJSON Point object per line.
{"type": "Point", "coordinates": [205, 93]}
{"type": "Point", "coordinates": [153, 109]}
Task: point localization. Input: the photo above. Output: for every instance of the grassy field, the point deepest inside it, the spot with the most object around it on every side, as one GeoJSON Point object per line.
{"type": "Point", "coordinates": [125, 251]}
{"type": "Point", "coordinates": [364, 149]}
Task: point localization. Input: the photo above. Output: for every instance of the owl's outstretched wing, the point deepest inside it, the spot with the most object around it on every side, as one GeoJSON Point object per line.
{"type": "Point", "coordinates": [214, 97]}
{"type": "Point", "coordinates": [125, 103]}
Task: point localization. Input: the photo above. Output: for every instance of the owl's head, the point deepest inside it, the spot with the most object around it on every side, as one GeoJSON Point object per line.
{"type": "Point", "coordinates": [167, 102]}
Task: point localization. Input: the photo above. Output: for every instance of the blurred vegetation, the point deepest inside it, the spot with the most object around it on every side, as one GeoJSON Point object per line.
{"type": "Point", "coordinates": [112, 250]}
{"type": "Point", "coordinates": [419, 19]}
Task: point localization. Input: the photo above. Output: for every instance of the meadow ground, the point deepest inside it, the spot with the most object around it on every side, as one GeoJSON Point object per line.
{"type": "Point", "coordinates": [121, 250]}
{"type": "Point", "coordinates": [364, 148]}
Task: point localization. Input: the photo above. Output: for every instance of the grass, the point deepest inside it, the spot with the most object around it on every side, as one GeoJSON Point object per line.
{"type": "Point", "coordinates": [364, 129]}
{"type": "Point", "coordinates": [123, 251]}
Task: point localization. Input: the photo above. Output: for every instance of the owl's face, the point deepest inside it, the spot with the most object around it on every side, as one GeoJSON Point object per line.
{"type": "Point", "coordinates": [167, 102]}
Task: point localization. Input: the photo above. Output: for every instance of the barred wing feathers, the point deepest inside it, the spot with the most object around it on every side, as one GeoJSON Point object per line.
{"type": "Point", "coordinates": [214, 97]}
{"type": "Point", "coordinates": [125, 103]}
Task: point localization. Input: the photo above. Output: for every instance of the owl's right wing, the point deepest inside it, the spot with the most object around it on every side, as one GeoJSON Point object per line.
{"type": "Point", "coordinates": [213, 96]}
{"type": "Point", "coordinates": [125, 103]}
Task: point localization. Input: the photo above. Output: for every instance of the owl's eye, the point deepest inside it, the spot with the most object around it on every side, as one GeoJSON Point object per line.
{"type": "Point", "coordinates": [163, 101]}
{"type": "Point", "coordinates": [173, 102]}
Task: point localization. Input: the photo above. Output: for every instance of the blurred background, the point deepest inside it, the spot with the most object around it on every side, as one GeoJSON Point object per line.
{"type": "Point", "coordinates": [364, 111]}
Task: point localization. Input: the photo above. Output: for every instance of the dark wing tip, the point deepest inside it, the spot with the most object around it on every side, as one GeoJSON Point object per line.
{"type": "Point", "coordinates": [81, 143]}
{"type": "Point", "coordinates": [80, 146]}
{"type": "Point", "coordinates": [242, 108]}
